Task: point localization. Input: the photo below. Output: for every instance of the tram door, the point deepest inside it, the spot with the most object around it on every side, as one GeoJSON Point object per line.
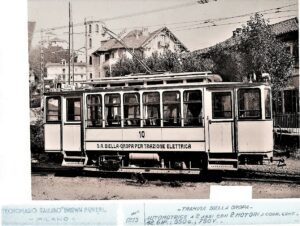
{"type": "Point", "coordinates": [220, 121]}
{"type": "Point", "coordinates": [72, 124]}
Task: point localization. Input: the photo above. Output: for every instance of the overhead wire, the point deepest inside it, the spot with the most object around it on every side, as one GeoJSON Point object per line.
{"type": "Point", "coordinates": [168, 8]}
{"type": "Point", "coordinates": [231, 23]}
{"type": "Point", "coordinates": [127, 15]}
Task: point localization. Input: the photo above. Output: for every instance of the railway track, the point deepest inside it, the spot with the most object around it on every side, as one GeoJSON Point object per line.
{"type": "Point", "coordinates": [212, 176]}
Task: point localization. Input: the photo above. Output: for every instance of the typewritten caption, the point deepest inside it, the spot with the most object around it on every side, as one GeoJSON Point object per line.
{"type": "Point", "coordinates": [183, 213]}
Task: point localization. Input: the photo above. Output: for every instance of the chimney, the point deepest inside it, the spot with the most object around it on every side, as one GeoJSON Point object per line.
{"type": "Point", "coordinates": [137, 34]}
{"type": "Point", "coordinates": [145, 31]}
{"type": "Point", "coordinates": [238, 31]}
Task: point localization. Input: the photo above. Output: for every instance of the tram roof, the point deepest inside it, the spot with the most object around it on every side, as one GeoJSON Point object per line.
{"type": "Point", "coordinates": [153, 82]}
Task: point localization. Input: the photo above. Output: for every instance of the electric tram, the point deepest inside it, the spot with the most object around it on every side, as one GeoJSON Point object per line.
{"type": "Point", "coordinates": [163, 123]}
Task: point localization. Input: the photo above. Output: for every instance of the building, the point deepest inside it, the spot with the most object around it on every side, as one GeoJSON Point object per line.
{"type": "Point", "coordinates": [286, 111]}
{"type": "Point", "coordinates": [58, 42]}
{"type": "Point", "coordinates": [58, 74]}
{"type": "Point", "coordinates": [93, 38]}
{"type": "Point", "coordinates": [140, 42]}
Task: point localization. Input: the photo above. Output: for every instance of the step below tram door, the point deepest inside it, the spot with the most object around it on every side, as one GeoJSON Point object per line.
{"type": "Point", "coordinates": [220, 129]}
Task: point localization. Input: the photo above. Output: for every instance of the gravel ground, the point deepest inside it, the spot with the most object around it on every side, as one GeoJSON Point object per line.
{"type": "Point", "coordinates": [91, 188]}
{"type": "Point", "coordinates": [50, 187]}
{"type": "Point", "coordinates": [292, 167]}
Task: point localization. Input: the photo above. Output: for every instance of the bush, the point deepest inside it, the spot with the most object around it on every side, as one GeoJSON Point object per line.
{"type": "Point", "coordinates": [37, 137]}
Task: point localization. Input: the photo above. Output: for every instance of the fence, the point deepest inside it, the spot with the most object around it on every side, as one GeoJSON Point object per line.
{"type": "Point", "coordinates": [287, 123]}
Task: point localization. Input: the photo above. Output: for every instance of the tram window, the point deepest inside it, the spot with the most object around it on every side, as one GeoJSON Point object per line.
{"type": "Point", "coordinates": [192, 108]}
{"type": "Point", "coordinates": [171, 108]}
{"type": "Point", "coordinates": [73, 109]}
{"type": "Point", "coordinates": [53, 109]}
{"type": "Point", "coordinates": [222, 106]}
{"type": "Point", "coordinates": [249, 104]}
{"type": "Point", "coordinates": [151, 109]}
{"type": "Point", "coordinates": [94, 110]}
{"type": "Point", "coordinates": [267, 104]}
{"type": "Point", "coordinates": [131, 109]}
{"type": "Point", "coordinates": [112, 110]}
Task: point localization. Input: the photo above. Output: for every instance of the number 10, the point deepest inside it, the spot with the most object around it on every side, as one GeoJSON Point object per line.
{"type": "Point", "coordinates": [142, 134]}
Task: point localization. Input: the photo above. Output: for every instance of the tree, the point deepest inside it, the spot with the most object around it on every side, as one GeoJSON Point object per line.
{"type": "Point", "coordinates": [53, 54]}
{"type": "Point", "coordinates": [264, 53]}
{"type": "Point", "coordinates": [166, 62]}
{"type": "Point", "coordinates": [256, 51]}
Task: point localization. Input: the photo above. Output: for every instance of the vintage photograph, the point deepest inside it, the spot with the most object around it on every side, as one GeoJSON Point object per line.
{"type": "Point", "coordinates": [149, 99]}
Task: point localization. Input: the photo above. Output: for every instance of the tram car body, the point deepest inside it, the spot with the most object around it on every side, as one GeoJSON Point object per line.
{"type": "Point", "coordinates": [182, 122]}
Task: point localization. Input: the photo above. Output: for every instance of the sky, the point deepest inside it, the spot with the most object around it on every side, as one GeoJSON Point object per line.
{"type": "Point", "coordinates": [185, 18]}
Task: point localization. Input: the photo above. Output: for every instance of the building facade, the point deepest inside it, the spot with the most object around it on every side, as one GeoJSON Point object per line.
{"type": "Point", "coordinates": [93, 38]}
{"type": "Point", "coordinates": [286, 111]}
{"type": "Point", "coordinates": [140, 42]}
{"type": "Point", "coordinates": [58, 74]}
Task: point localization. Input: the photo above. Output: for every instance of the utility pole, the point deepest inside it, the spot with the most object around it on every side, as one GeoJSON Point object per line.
{"type": "Point", "coordinates": [69, 64]}
{"type": "Point", "coordinates": [86, 54]}
{"type": "Point", "coordinates": [42, 62]}
{"type": "Point", "coordinates": [72, 46]}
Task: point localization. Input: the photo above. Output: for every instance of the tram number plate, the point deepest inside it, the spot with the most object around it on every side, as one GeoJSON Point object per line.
{"type": "Point", "coordinates": [142, 134]}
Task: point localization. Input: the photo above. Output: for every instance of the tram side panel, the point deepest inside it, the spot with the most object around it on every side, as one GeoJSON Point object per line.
{"type": "Point", "coordinates": [171, 145]}
{"type": "Point", "coordinates": [254, 124]}
{"type": "Point", "coordinates": [52, 124]}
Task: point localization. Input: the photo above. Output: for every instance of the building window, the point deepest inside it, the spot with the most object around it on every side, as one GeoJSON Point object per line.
{"type": "Point", "coordinates": [90, 28]}
{"type": "Point", "coordinates": [192, 108]}
{"type": "Point", "coordinates": [112, 110]}
{"type": "Point", "coordinates": [291, 101]}
{"type": "Point", "coordinates": [90, 60]}
{"type": "Point", "coordinates": [97, 28]}
{"type": "Point", "coordinates": [94, 110]}
{"type": "Point", "coordinates": [221, 105]}
{"type": "Point", "coordinates": [73, 109]}
{"type": "Point", "coordinates": [131, 109]}
{"type": "Point", "coordinates": [53, 109]}
{"type": "Point", "coordinates": [268, 114]}
{"type": "Point", "coordinates": [151, 109]}
{"type": "Point", "coordinates": [171, 108]}
{"type": "Point", "coordinates": [249, 103]}
{"type": "Point", "coordinates": [90, 43]}
{"type": "Point", "coordinates": [106, 56]}
{"type": "Point", "coordinates": [63, 70]}
{"type": "Point", "coordinates": [91, 75]}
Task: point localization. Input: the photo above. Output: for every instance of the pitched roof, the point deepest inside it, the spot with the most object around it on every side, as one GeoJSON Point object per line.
{"type": "Point", "coordinates": [134, 39]}
{"type": "Point", "coordinates": [279, 28]}
{"type": "Point", "coordinates": [55, 39]}
{"type": "Point", "coordinates": [285, 26]}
